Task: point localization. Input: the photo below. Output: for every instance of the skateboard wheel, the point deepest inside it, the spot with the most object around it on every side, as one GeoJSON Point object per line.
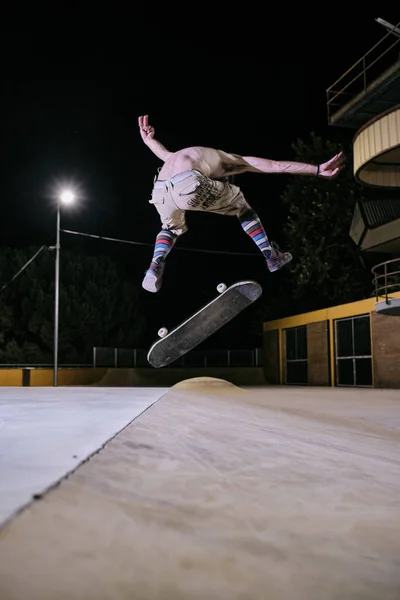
{"type": "Point", "coordinates": [163, 332]}
{"type": "Point", "coordinates": [221, 287]}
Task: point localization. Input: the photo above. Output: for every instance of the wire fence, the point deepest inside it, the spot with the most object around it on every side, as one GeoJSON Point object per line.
{"type": "Point", "coordinates": [137, 358]}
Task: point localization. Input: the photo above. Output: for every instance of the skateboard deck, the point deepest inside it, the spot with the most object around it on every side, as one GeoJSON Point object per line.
{"type": "Point", "coordinates": [230, 302]}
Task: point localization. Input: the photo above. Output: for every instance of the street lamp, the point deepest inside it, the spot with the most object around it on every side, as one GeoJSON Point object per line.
{"type": "Point", "coordinates": [65, 197]}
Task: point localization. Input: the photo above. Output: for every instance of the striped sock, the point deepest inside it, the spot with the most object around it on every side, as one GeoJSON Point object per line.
{"type": "Point", "coordinates": [253, 227]}
{"type": "Point", "coordinates": [165, 241]}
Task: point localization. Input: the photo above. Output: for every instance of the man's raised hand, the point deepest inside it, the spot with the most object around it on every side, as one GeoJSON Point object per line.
{"type": "Point", "coordinates": [332, 167]}
{"type": "Point", "coordinates": [146, 130]}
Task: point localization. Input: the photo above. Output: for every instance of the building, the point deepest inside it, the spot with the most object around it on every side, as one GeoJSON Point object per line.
{"type": "Point", "coordinates": [357, 344]}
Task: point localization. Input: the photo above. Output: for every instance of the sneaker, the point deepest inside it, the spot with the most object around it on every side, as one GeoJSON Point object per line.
{"type": "Point", "coordinates": [153, 278]}
{"type": "Point", "coordinates": [278, 259]}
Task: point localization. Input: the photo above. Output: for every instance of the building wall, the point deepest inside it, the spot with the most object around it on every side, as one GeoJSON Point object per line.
{"type": "Point", "coordinates": [385, 334]}
{"type": "Point", "coordinates": [271, 350]}
{"type": "Point", "coordinates": [318, 353]}
{"type": "Point", "coordinates": [282, 357]}
{"type": "Point", "coordinates": [385, 342]}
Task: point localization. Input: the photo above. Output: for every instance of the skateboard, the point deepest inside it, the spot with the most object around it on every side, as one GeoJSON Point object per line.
{"type": "Point", "coordinates": [190, 333]}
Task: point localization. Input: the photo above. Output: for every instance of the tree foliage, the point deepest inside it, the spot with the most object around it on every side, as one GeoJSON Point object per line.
{"type": "Point", "coordinates": [327, 269]}
{"type": "Point", "coordinates": [99, 306]}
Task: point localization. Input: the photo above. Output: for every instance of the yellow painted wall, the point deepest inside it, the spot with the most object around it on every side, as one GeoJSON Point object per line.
{"type": "Point", "coordinates": [44, 377]}
{"type": "Point", "coordinates": [10, 377]}
{"type": "Point", "coordinates": [335, 312]}
{"type": "Point", "coordinates": [84, 377]}
{"type": "Point", "coordinates": [41, 377]}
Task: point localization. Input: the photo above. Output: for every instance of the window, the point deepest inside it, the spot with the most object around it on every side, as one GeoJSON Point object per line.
{"type": "Point", "coordinates": [353, 351]}
{"type": "Point", "coordinates": [296, 355]}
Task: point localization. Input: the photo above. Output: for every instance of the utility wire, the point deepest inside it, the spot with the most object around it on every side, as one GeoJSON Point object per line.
{"type": "Point", "coordinates": [99, 237]}
{"type": "Point", "coordinates": [110, 239]}
{"type": "Point", "coordinates": [23, 268]}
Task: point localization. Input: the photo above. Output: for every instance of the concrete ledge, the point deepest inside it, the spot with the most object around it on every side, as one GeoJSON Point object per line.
{"type": "Point", "coordinates": [392, 307]}
{"type": "Point", "coordinates": [119, 377]}
{"type": "Point", "coordinates": [247, 376]}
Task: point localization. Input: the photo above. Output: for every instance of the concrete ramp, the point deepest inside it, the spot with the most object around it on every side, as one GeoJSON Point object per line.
{"type": "Point", "coordinates": [229, 494]}
{"type": "Point", "coordinates": [208, 386]}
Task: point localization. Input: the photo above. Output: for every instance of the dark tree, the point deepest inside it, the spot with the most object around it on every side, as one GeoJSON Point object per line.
{"type": "Point", "coordinates": [99, 306]}
{"type": "Point", "coordinates": [327, 269]}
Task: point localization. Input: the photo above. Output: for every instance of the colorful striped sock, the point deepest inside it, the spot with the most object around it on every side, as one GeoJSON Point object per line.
{"type": "Point", "coordinates": [165, 241]}
{"type": "Point", "coordinates": [253, 227]}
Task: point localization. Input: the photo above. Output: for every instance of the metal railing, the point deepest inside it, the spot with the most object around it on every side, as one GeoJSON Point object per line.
{"type": "Point", "coordinates": [386, 278]}
{"type": "Point", "coordinates": [137, 358]}
{"type": "Point", "coordinates": [364, 71]}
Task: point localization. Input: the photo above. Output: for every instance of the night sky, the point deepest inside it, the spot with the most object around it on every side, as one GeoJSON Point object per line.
{"type": "Point", "coordinates": [247, 84]}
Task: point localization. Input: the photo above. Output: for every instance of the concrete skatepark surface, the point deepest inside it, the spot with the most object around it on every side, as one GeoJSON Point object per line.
{"type": "Point", "coordinates": [45, 434]}
{"type": "Point", "coordinates": [219, 492]}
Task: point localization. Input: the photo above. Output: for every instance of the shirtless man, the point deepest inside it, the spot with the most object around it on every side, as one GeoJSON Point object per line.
{"type": "Point", "coordinates": [196, 178]}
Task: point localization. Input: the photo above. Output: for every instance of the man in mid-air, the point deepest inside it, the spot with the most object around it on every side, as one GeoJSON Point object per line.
{"type": "Point", "coordinates": [197, 178]}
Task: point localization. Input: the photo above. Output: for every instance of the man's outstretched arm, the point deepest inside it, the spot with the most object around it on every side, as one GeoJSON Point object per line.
{"type": "Point", "coordinates": [329, 169]}
{"type": "Point", "coordinates": [147, 132]}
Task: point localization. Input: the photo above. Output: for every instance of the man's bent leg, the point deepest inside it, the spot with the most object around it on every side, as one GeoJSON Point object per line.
{"type": "Point", "coordinates": [227, 199]}
{"type": "Point", "coordinates": [252, 225]}
{"type": "Point", "coordinates": [173, 222]}
{"type": "Point", "coordinates": [165, 241]}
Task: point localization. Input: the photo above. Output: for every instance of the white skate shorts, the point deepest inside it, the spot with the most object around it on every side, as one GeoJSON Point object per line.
{"type": "Point", "coordinates": [191, 190]}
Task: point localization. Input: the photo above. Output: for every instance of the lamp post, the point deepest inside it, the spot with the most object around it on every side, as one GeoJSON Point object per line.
{"type": "Point", "coordinates": [66, 197]}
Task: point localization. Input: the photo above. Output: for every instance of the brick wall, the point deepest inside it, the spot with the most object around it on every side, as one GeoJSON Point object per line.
{"type": "Point", "coordinates": [318, 353]}
{"type": "Point", "coordinates": [386, 350]}
{"type": "Point", "coordinates": [271, 356]}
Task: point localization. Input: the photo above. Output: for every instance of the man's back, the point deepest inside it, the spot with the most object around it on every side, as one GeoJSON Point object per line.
{"type": "Point", "coordinates": [209, 161]}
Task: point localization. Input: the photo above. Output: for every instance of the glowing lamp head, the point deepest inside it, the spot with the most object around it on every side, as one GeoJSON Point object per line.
{"type": "Point", "coordinates": [67, 197]}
